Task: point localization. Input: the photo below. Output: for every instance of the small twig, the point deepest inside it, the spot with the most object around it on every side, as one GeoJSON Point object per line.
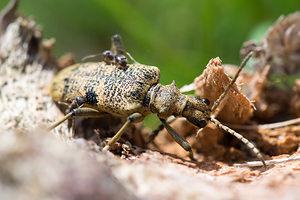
{"type": "Point", "coordinates": [268, 162]}
{"type": "Point", "coordinates": [266, 126]}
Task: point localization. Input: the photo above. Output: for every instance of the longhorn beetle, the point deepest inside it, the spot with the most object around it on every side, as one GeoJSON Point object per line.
{"type": "Point", "coordinates": [133, 91]}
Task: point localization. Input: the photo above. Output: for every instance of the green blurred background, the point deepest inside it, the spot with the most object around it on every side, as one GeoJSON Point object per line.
{"type": "Point", "coordinates": [178, 36]}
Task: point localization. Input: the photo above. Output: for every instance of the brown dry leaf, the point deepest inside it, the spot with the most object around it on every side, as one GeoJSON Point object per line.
{"type": "Point", "coordinates": [268, 101]}
{"type": "Point", "coordinates": [251, 85]}
{"type": "Point", "coordinates": [282, 44]}
{"type": "Point", "coordinates": [280, 47]}
{"type": "Point", "coordinates": [235, 107]}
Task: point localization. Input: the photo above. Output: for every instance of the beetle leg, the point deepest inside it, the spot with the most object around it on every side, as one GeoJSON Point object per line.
{"type": "Point", "coordinates": [179, 139]}
{"type": "Point", "coordinates": [130, 56]}
{"type": "Point", "coordinates": [80, 112]}
{"type": "Point", "coordinates": [158, 129]}
{"type": "Point", "coordinates": [135, 117]}
{"type": "Point", "coordinates": [116, 45]}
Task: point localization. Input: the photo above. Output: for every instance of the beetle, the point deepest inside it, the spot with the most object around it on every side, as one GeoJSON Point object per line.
{"type": "Point", "coordinates": [133, 91]}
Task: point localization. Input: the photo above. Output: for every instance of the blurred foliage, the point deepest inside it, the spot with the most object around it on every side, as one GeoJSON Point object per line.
{"type": "Point", "coordinates": [177, 36]}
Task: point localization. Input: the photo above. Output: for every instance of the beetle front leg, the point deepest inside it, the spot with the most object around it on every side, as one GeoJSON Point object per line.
{"type": "Point", "coordinates": [158, 129]}
{"type": "Point", "coordinates": [179, 139]}
{"type": "Point", "coordinates": [134, 118]}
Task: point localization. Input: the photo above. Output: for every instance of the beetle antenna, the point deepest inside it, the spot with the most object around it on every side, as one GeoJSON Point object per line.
{"type": "Point", "coordinates": [241, 138]}
{"type": "Point", "coordinates": [221, 97]}
{"type": "Point", "coordinates": [90, 56]}
{"type": "Point", "coordinates": [130, 56]}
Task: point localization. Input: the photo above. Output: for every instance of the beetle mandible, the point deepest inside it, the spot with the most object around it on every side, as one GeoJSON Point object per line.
{"type": "Point", "coordinates": [133, 91]}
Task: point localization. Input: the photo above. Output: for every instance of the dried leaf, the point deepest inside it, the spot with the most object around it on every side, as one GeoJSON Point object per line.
{"type": "Point", "coordinates": [255, 90]}
{"type": "Point", "coordinates": [235, 107]}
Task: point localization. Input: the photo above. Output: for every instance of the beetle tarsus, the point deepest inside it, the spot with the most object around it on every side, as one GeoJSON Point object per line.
{"type": "Point", "coordinates": [191, 156]}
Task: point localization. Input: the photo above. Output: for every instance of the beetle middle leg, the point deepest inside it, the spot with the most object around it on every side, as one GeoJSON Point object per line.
{"type": "Point", "coordinates": [116, 45]}
{"type": "Point", "coordinates": [134, 118]}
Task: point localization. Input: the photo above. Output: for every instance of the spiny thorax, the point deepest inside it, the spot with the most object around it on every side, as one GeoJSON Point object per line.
{"type": "Point", "coordinates": [166, 100]}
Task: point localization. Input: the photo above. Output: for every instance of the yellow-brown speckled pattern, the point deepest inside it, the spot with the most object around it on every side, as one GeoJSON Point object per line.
{"type": "Point", "coordinates": [112, 89]}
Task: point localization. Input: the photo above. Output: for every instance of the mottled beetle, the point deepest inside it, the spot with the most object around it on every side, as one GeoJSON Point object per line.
{"type": "Point", "coordinates": [132, 91]}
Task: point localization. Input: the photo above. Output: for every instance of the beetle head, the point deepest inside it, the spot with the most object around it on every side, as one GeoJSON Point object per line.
{"type": "Point", "coordinates": [197, 111]}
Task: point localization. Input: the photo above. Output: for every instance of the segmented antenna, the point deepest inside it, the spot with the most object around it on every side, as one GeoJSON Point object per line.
{"type": "Point", "coordinates": [221, 97]}
{"type": "Point", "coordinates": [240, 137]}
{"type": "Point", "coordinates": [227, 129]}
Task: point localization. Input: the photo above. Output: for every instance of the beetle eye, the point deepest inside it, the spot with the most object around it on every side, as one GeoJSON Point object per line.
{"type": "Point", "coordinates": [108, 55]}
{"type": "Point", "coordinates": [206, 101]}
{"type": "Point", "coordinates": [198, 122]}
{"type": "Point", "coordinates": [121, 59]}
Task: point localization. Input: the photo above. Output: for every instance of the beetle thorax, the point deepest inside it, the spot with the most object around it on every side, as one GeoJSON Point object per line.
{"type": "Point", "coordinates": [166, 100]}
